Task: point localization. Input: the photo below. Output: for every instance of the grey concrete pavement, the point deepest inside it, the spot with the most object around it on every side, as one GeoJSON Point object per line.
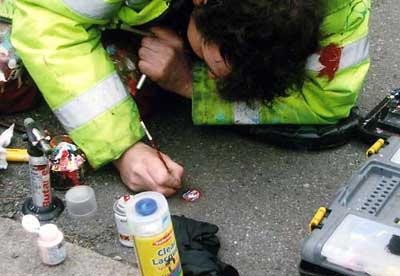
{"type": "Point", "coordinates": [262, 197]}
{"type": "Point", "coordinates": [18, 257]}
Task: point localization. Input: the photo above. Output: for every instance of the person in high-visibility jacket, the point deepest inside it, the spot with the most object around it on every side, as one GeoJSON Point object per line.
{"type": "Point", "coordinates": [259, 55]}
{"type": "Point", "coordinates": [332, 76]}
{"type": "Point", "coordinates": [59, 44]}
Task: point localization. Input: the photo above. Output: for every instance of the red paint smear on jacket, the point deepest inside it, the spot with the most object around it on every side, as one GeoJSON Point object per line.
{"type": "Point", "coordinates": [330, 59]}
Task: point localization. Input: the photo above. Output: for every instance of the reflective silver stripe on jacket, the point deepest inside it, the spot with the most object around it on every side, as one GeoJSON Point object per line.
{"type": "Point", "coordinates": [245, 114]}
{"type": "Point", "coordinates": [92, 103]}
{"type": "Point", "coordinates": [352, 54]}
{"type": "Point", "coordinates": [96, 9]}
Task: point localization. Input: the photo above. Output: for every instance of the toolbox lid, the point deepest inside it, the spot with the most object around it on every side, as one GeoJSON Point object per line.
{"type": "Point", "coordinates": [363, 245]}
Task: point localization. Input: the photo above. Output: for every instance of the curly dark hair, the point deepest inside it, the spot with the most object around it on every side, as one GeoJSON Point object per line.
{"type": "Point", "coordinates": [266, 42]}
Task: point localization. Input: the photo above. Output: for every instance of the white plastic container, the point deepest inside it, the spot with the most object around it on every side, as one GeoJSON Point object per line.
{"type": "Point", "coordinates": [81, 202]}
{"type": "Point", "coordinates": [50, 240]}
{"type": "Point", "coordinates": [124, 234]}
{"type": "Point", "coordinates": [363, 245]}
{"type": "Point", "coordinates": [51, 245]}
{"type": "Point", "coordinates": [150, 223]}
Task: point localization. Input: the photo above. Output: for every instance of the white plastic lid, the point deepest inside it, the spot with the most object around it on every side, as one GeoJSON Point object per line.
{"type": "Point", "coordinates": [49, 232]}
{"type": "Point", "coordinates": [361, 244]}
{"type": "Point", "coordinates": [30, 223]}
{"type": "Point", "coordinates": [148, 214]}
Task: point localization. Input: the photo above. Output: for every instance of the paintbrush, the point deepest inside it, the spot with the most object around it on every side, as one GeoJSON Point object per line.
{"type": "Point", "coordinates": [138, 87]}
{"type": "Point", "coordinates": [142, 33]}
{"type": "Point", "coordinates": [154, 146]}
{"type": "Point", "coordinates": [136, 31]}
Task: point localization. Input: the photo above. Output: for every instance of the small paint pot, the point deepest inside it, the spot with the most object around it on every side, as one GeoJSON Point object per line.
{"type": "Point", "coordinates": [63, 180]}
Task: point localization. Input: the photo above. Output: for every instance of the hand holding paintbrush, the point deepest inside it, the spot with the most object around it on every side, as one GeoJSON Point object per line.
{"type": "Point", "coordinates": [163, 59]}
{"type": "Point", "coordinates": [154, 145]}
{"type": "Point", "coordinates": [142, 33]}
{"type": "Point", "coordinates": [143, 167]}
{"type": "Point", "coordinates": [139, 86]}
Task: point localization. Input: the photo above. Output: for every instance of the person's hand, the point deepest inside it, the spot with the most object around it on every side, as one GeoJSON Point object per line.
{"type": "Point", "coordinates": [163, 59]}
{"type": "Point", "coordinates": [199, 2]}
{"type": "Point", "coordinates": [141, 170]}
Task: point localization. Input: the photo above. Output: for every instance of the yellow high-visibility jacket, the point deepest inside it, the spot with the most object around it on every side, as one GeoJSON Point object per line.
{"type": "Point", "coordinates": [59, 43]}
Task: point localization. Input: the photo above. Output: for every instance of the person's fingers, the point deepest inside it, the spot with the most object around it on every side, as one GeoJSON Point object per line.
{"type": "Point", "coordinates": [154, 44]}
{"type": "Point", "coordinates": [166, 191]}
{"type": "Point", "coordinates": [159, 173]}
{"type": "Point", "coordinates": [161, 176]}
{"type": "Point", "coordinates": [199, 2]}
{"type": "Point", "coordinates": [134, 179]}
{"type": "Point", "coordinates": [176, 171]}
{"type": "Point", "coordinates": [148, 181]}
{"type": "Point", "coordinates": [154, 62]}
{"type": "Point", "coordinates": [162, 32]}
{"type": "Point", "coordinates": [151, 70]}
{"type": "Point", "coordinates": [148, 55]}
{"type": "Point", "coordinates": [134, 182]}
{"type": "Point", "coordinates": [159, 179]}
{"type": "Point", "coordinates": [141, 170]}
{"type": "Point", "coordinates": [141, 180]}
{"type": "Point", "coordinates": [168, 36]}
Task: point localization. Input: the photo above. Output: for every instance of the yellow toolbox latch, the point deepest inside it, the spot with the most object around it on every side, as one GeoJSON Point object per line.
{"type": "Point", "coordinates": [375, 147]}
{"type": "Point", "coordinates": [317, 219]}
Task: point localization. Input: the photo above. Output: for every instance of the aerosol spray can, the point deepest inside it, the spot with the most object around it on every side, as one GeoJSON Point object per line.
{"type": "Point", "coordinates": [50, 240]}
{"type": "Point", "coordinates": [39, 171]}
{"type": "Point", "coordinates": [124, 234]}
{"type": "Point", "coordinates": [42, 203]}
{"type": "Point", "coordinates": [155, 245]}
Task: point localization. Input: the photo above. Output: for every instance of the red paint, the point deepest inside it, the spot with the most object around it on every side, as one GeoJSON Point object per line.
{"type": "Point", "coordinates": [122, 52]}
{"type": "Point", "coordinates": [74, 177]}
{"type": "Point", "coordinates": [154, 145]}
{"type": "Point", "coordinates": [127, 197]}
{"type": "Point", "coordinates": [330, 59]}
{"type": "Point", "coordinates": [132, 87]}
{"type": "Point", "coordinates": [191, 195]}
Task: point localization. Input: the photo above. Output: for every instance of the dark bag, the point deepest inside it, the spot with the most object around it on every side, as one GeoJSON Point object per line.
{"type": "Point", "coordinates": [17, 90]}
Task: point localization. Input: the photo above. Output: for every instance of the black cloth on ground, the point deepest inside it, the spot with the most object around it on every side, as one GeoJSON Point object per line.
{"type": "Point", "coordinates": [198, 248]}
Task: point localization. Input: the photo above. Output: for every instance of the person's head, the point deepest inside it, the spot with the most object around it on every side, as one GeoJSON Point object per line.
{"type": "Point", "coordinates": [255, 48]}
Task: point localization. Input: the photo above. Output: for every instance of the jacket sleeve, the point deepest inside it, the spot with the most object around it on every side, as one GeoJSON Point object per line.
{"type": "Point", "coordinates": [320, 101]}
{"type": "Point", "coordinates": [325, 97]}
{"type": "Point", "coordinates": [59, 43]}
